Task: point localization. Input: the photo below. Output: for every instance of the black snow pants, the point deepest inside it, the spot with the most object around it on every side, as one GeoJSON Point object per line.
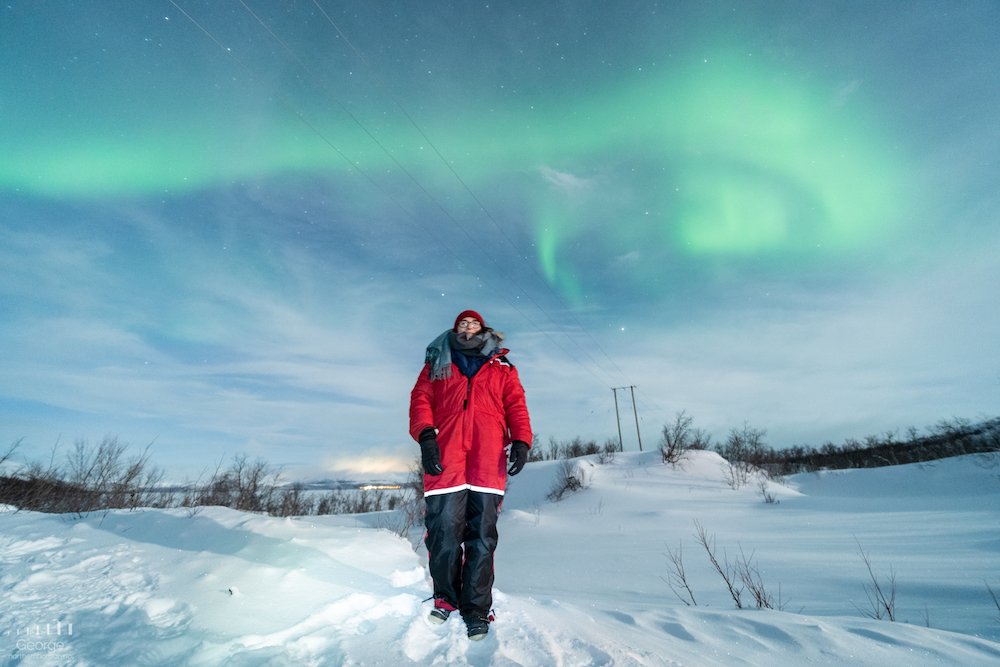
{"type": "Point", "coordinates": [461, 538]}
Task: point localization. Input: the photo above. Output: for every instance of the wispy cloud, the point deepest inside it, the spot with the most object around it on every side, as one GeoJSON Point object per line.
{"type": "Point", "coordinates": [564, 181]}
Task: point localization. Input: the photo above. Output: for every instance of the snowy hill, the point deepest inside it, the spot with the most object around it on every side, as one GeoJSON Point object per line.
{"type": "Point", "coordinates": [580, 582]}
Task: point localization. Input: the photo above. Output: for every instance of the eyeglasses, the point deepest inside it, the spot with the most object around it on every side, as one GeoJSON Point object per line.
{"type": "Point", "coordinates": [465, 324]}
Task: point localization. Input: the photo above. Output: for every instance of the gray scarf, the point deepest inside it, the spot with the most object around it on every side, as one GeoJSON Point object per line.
{"type": "Point", "coordinates": [439, 352]}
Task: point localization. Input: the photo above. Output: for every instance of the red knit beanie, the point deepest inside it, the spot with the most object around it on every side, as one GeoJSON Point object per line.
{"type": "Point", "coordinates": [468, 313]}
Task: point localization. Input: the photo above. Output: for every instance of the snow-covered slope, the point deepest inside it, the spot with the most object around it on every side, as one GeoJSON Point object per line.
{"type": "Point", "coordinates": [579, 582]}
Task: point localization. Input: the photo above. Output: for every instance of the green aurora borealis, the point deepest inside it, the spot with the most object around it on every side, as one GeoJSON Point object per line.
{"type": "Point", "coordinates": [739, 162]}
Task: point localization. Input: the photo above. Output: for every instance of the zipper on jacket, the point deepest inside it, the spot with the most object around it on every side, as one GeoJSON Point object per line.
{"type": "Point", "coordinates": [468, 392]}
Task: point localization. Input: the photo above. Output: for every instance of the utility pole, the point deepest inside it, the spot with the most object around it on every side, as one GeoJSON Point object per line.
{"type": "Point", "coordinates": [635, 412]}
{"type": "Point", "coordinates": [621, 446]}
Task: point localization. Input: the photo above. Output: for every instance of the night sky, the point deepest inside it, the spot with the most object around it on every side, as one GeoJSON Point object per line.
{"type": "Point", "coordinates": [232, 227]}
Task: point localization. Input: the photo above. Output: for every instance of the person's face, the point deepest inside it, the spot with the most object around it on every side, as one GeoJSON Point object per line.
{"type": "Point", "coordinates": [469, 327]}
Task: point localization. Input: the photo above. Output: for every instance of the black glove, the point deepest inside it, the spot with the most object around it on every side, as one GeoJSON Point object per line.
{"type": "Point", "coordinates": [430, 453]}
{"type": "Point", "coordinates": [518, 457]}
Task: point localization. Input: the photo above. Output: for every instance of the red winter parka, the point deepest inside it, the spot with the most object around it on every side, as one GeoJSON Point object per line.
{"type": "Point", "coordinates": [476, 419]}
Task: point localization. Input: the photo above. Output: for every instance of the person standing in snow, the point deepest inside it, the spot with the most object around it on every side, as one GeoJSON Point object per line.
{"type": "Point", "coordinates": [466, 407]}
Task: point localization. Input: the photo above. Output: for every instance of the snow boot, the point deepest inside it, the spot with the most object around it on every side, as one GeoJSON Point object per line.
{"type": "Point", "coordinates": [441, 611]}
{"type": "Point", "coordinates": [438, 615]}
{"type": "Point", "coordinates": [478, 626]}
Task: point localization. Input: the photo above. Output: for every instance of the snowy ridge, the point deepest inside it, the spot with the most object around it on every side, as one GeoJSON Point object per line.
{"type": "Point", "coordinates": [579, 582]}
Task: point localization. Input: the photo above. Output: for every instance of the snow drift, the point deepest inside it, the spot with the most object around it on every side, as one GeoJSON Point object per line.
{"type": "Point", "coordinates": [580, 582]}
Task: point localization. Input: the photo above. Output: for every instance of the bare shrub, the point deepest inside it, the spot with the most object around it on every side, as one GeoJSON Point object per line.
{"type": "Point", "coordinates": [361, 501]}
{"type": "Point", "coordinates": [36, 493]}
{"type": "Point", "coordinates": [291, 501]}
{"type": "Point", "coordinates": [408, 512]}
{"type": "Point", "coordinates": [37, 487]}
{"type": "Point", "coordinates": [116, 481]}
{"type": "Point", "coordinates": [765, 490]}
{"type": "Point", "coordinates": [535, 452]}
{"type": "Point", "coordinates": [745, 452]}
{"type": "Point", "coordinates": [740, 577]}
{"type": "Point", "coordinates": [95, 478]}
{"type": "Point", "coordinates": [678, 437]}
{"type": "Point", "coordinates": [104, 477]}
{"type": "Point", "coordinates": [370, 500]}
{"type": "Point", "coordinates": [567, 481]}
{"type": "Point", "coordinates": [677, 577]}
{"type": "Point", "coordinates": [881, 598]}
{"type": "Point", "coordinates": [250, 486]}
{"type": "Point", "coordinates": [411, 513]}
{"type": "Point", "coordinates": [410, 504]}
{"type": "Point", "coordinates": [608, 451]}
{"type": "Point", "coordinates": [746, 567]}
{"type": "Point", "coordinates": [728, 573]}
{"type": "Point", "coordinates": [674, 439]}
{"type": "Point", "coordinates": [415, 477]}
{"type": "Point", "coordinates": [570, 449]}
{"type": "Point", "coordinates": [328, 504]}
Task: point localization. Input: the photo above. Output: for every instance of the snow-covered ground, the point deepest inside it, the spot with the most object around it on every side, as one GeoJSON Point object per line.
{"type": "Point", "coordinates": [578, 582]}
